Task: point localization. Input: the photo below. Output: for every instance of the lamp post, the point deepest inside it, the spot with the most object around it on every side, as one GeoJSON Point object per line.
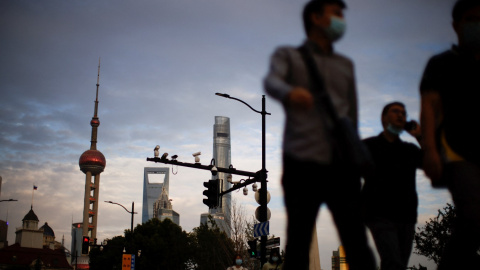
{"type": "Point", "coordinates": [263, 213]}
{"type": "Point", "coordinates": [131, 212]}
{"type": "Point", "coordinates": [9, 200]}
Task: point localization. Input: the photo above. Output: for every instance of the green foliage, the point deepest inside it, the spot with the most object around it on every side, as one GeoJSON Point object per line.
{"type": "Point", "coordinates": [110, 257]}
{"type": "Point", "coordinates": [164, 245]}
{"type": "Point", "coordinates": [213, 249]}
{"type": "Point", "coordinates": [430, 241]}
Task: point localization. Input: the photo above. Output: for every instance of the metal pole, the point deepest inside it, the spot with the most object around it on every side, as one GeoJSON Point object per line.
{"type": "Point", "coordinates": [263, 189]}
{"type": "Point", "coordinates": [131, 226]}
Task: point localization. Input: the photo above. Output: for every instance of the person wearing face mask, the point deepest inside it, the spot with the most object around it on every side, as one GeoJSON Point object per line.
{"type": "Point", "coordinates": [275, 261]}
{"type": "Point", "coordinates": [450, 91]}
{"type": "Point", "coordinates": [389, 195]}
{"type": "Point", "coordinates": [312, 172]}
{"type": "Point", "coordinates": [237, 264]}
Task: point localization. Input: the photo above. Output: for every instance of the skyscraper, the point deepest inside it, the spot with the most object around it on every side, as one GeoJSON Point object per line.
{"type": "Point", "coordinates": [222, 157]}
{"type": "Point", "coordinates": [339, 261]}
{"type": "Point", "coordinates": [92, 162]}
{"type": "Point", "coordinates": [152, 189]}
{"type": "Point", "coordinates": [162, 208]}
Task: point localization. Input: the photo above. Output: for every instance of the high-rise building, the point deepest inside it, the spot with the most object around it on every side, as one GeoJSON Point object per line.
{"type": "Point", "coordinates": [92, 162]}
{"type": "Point", "coordinates": [222, 157]}
{"type": "Point", "coordinates": [155, 180]}
{"type": "Point", "coordinates": [162, 208]}
{"type": "Point", "coordinates": [76, 245]}
{"type": "Point", "coordinates": [339, 260]}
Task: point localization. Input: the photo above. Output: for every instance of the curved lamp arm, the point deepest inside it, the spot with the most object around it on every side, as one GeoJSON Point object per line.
{"type": "Point", "coordinates": [228, 96]}
{"type": "Point", "coordinates": [121, 206]}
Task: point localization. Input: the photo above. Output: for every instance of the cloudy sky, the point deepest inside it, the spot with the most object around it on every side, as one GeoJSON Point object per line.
{"type": "Point", "coordinates": [161, 63]}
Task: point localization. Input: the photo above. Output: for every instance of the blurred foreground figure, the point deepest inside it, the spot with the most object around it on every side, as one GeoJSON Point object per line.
{"type": "Point", "coordinates": [450, 91]}
{"type": "Point", "coordinates": [390, 195]}
{"type": "Point", "coordinates": [312, 173]}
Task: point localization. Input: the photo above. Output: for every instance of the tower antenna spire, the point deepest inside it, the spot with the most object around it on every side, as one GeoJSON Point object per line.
{"type": "Point", "coordinates": [95, 121]}
{"type": "Point", "coordinates": [98, 84]}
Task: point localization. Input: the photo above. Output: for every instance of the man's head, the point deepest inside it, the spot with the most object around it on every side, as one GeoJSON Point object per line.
{"type": "Point", "coordinates": [394, 115]}
{"type": "Point", "coordinates": [318, 13]}
{"type": "Point", "coordinates": [466, 22]}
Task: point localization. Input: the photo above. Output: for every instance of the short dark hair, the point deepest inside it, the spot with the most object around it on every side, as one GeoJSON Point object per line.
{"type": "Point", "coordinates": [462, 6]}
{"type": "Point", "coordinates": [389, 105]}
{"type": "Point", "coordinates": [316, 6]}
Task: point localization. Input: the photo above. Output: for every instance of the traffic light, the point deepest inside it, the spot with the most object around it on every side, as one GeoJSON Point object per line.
{"type": "Point", "coordinates": [211, 193]}
{"type": "Point", "coordinates": [252, 250]}
{"type": "Point", "coordinates": [85, 244]}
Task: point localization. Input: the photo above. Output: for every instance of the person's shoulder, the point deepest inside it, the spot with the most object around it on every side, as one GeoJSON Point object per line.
{"type": "Point", "coordinates": [444, 56]}
{"type": "Point", "coordinates": [371, 139]}
{"type": "Point", "coordinates": [285, 48]}
{"type": "Point", "coordinates": [342, 58]}
{"type": "Point", "coordinates": [411, 148]}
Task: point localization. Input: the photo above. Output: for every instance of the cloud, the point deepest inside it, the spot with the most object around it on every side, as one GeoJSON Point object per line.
{"type": "Point", "coordinates": [161, 64]}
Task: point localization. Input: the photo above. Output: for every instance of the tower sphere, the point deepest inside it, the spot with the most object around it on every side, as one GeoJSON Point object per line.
{"type": "Point", "coordinates": [92, 161]}
{"type": "Point", "coordinates": [95, 122]}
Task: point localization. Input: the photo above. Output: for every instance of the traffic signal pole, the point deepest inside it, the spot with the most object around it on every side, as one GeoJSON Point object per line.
{"type": "Point", "coordinates": [259, 176]}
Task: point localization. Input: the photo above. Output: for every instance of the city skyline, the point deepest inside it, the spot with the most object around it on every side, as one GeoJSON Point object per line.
{"type": "Point", "coordinates": [162, 63]}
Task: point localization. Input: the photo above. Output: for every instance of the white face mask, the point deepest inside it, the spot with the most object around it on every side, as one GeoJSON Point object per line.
{"type": "Point", "coordinates": [394, 130]}
{"type": "Point", "coordinates": [238, 261]}
{"type": "Point", "coordinates": [336, 29]}
{"type": "Point", "coordinates": [274, 258]}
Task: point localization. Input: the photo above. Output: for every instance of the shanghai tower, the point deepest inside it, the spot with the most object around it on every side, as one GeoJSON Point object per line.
{"type": "Point", "coordinates": [222, 157]}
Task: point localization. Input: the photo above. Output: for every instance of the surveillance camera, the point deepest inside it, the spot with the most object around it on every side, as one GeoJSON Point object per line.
{"type": "Point", "coordinates": [214, 170]}
{"type": "Point", "coordinates": [245, 191]}
{"type": "Point", "coordinates": [197, 158]}
{"type": "Point", "coordinates": [254, 187]}
{"type": "Point", "coordinates": [229, 178]}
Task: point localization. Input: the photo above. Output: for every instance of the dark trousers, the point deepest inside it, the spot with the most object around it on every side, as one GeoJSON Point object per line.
{"type": "Point", "coordinates": [394, 242]}
{"type": "Point", "coordinates": [306, 186]}
{"type": "Point", "coordinates": [463, 179]}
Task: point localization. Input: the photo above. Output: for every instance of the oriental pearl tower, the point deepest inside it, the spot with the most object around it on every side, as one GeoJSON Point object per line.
{"type": "Point", "coordinates": [92, 162]}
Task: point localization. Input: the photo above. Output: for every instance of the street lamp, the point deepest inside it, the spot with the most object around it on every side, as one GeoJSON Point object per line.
{"type": "Point", "coordinates": [131, 212]}
{"type": "Point", "coordinates": [9, 200]}
{"type": "Point", "coordinates": [263, 213]}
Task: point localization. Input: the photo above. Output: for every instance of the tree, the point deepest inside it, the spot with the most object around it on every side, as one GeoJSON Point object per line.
{"type": "Point", "coordinates": [241, 232]}
{"type": "Point", "coordinates": [432, 238]}
{"type": "Point", "coordinates": [163, 245]}
{"type": "Point", "coordinates": [110, 256]}
{"type": "Point", "coordinates": [213, 249]}
{"type": "Point", "coordinates": [238, 226]}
